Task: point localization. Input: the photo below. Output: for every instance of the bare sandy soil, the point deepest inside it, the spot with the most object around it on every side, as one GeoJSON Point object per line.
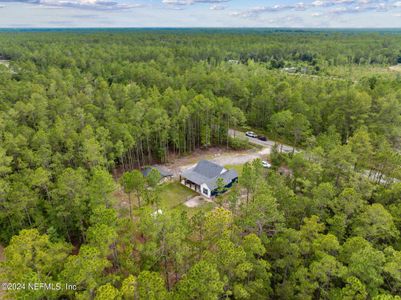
{"type": "Point", "coordinates": [196, 201]}
{"type": "Point", "coordinates": [396, 68]}
{"type": "Point", "coordinates": [220, 156]}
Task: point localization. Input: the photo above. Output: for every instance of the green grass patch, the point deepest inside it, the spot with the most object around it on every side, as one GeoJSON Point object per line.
{"type": "Point", "coordinates": [237, 168]}
{"type": "Point", "coordinates": [173, 194]}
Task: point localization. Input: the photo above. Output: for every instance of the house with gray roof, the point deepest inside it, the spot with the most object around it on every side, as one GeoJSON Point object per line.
{"type": "Point", "coordinates": [203, 178]}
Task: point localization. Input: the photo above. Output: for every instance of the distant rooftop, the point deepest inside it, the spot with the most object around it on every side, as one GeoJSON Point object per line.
{"type": "Point", "coordinates": [164, 172]}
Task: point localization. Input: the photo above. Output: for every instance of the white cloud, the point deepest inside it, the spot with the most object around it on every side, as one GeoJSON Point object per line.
{"type": "Point", "coordinates": [328, 3]}
{"type": "Point", "coordinates": [256, 11]}
{"type": "Point", "coordinates": [191, 2]}
{"type": "Point", "coordinates": [178, 2]}
{"type": "Point", "coordinates": [333, 7]}
{"type": "Point", "coordinates": [300, 6]}
{"type": "Point", "coordinates": [334, 2]}
{"type": "Point", "coordinates": [217, 7]}
{"type": "Point", "coordinates": [335, 13]}
{"type": "Point", "coordinates": [82, 4]}
{"type": "Point", "coordinates": [319, 3]}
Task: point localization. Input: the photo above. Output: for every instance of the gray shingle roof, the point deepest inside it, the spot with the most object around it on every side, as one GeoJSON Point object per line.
{"type": "Point", "coordinates": [208, 169]}
{"type": "Point", "coordinates": [163, 171]}
{"type": "Point", "coordinates": [207, 172]}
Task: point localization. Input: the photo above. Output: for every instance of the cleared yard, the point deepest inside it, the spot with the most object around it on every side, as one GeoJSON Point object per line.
{"type": "Point", "coordinates": [174, 194]}
{"type": "Point", "coordinates": [237, 168]}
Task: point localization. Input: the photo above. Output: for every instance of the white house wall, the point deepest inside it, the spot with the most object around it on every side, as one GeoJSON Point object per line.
{"type": "Point", "coordinates": [204, 186]}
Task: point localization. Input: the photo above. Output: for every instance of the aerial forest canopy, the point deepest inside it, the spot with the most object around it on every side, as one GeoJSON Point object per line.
{"type": "Point", "coordinates": [82, 111]}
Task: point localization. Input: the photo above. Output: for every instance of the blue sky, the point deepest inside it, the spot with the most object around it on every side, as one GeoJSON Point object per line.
{"type": "Point", "coordinates": [201, 13]}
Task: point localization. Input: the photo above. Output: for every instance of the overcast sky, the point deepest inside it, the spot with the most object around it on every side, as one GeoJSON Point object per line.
{"type": "Point", "coordinates": [200, 13]}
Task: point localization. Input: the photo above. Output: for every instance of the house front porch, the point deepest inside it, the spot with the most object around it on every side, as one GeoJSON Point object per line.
{"type": "Point", "coordinates": [192, 185]}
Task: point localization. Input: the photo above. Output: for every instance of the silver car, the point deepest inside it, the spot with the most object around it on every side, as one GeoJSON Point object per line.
{"type": "Point", "coordinates": [266, 164]}
{"type": "Point", "coordinates": [251, 134]}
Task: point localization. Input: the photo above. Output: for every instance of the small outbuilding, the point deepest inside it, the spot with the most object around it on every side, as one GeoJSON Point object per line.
{"type": "Point", "coordinates": [203, 178]}
{"type": "Point", "coordinates": [165, 174]}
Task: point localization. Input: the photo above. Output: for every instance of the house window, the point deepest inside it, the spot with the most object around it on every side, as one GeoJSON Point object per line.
{"type": "Point", "coordinates": [205, 191]}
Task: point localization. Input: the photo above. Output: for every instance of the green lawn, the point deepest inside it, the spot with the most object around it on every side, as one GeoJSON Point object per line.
{"type": "Point", "coordinates": [173, 194]}
{"type": "Point", "coordinates": [237, 168]}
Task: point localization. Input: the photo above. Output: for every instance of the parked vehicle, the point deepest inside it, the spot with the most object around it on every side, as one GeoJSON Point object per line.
{"type": "Point", "coordinates": [262, 138]}
{"type": "Point", "coordinates": [266, 164]}
{"type": "Point", "coordinates": [251, 134]}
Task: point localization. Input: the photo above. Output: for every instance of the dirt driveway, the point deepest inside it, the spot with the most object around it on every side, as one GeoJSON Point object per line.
{"type": "Point", "coordinates": [265, 144]}
{"type": "Point", "coordinates": [223, 156]}
{"type": "Point", "coordinates": [220, 156]}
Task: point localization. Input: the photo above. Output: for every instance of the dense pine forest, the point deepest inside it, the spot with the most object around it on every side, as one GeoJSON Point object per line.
{"type": "Point", "coordinates": [82, 111]}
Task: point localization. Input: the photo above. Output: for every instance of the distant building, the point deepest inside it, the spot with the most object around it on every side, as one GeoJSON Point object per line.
{"type": "Point", "coordinates": [290, 70]}
{"type": "Point", "coordinates": [165, 174]}
{"type": "Point", "coordinates": [203, 178]}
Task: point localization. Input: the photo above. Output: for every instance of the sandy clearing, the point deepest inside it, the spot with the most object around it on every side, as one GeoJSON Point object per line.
{"type": "Point", "coordinates": [196, 201]}
{"type": "Point", "coordinates": [396, 68]}
{"type": "Point", "coordinates": [221, 157]}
